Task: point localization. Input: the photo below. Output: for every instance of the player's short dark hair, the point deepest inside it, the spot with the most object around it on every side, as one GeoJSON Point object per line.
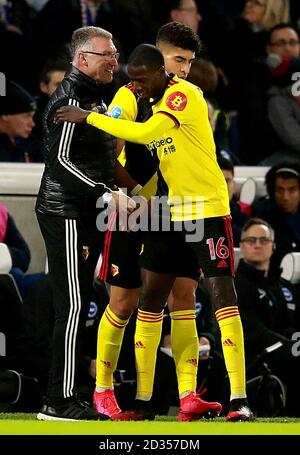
{"type": "Point", "coordinates": [286, 170]}
{"type": "Point", "coordinates": [146, 55]}
{"type": "Point", "coordinates": [179, 35]}
{"type": "Point", "coordinates": [257, 221]}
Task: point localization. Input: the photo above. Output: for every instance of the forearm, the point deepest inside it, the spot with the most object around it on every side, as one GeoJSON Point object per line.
{"type": "Point", "coordinates": [141, 133]}
{"type": "Point", "coordinates": [123, 178]}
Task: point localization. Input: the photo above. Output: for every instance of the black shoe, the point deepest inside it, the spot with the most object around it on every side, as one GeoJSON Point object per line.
{"type": "Point", "coordinates": [71, 409]}
{"type": "Point", "coordinates": [239, 411]}
{"type": "Point", "coordinates": [141, 410]}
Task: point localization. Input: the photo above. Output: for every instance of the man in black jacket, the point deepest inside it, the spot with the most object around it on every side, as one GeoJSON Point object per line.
{"type": "Point", "coordinates": [269, 308]}
{"type": "Point", "coordinates": [79, 169]}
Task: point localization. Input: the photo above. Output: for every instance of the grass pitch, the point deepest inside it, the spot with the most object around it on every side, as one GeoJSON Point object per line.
{"type": "Point", "coordinates": [26, 424]}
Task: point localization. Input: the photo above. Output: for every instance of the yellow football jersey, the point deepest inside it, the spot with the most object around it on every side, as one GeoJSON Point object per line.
{"type": "Point", "coordinates": [187, 155]}
{"type": "Point", "coordinates": [124, 106]}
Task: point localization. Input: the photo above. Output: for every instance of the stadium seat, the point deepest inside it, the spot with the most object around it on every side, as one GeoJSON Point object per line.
{"type": "Point", "coordinates": [237, 256]}
{"type": "Point", "coordinates": [247, 195]}
{"type": "Point", "coordinates": [5, 259]}
{"type": "Point", "coordinates": [290, 265]}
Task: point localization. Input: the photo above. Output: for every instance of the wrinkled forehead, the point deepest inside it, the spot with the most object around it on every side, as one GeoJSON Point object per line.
{"type": "Point", "coordinates": [102, 44]}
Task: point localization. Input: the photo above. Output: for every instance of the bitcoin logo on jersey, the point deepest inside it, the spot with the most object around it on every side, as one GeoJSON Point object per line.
{"type": "Point", "coordinates": [176, 101]}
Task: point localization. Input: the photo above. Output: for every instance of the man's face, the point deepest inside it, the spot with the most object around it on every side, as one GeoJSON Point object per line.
{"type": "Point", "coordinates": [19, 125]}
{"type": "Point", "coordinates": [287, 194]}
{"type": "Point", "coordinates": [254, 11]}
{"type": "Point", "coordinates": [230, 182]}
{"type": "Point", "coordinates": [187, 14]}
{"type": "Point", "coordinates": [285, 43]}
{"type": "Point", "coordinates": [55, 78]}
{"type": "Point", "coordinates": [257, 245]}
{"type": "Point", "coordinates": [148, 84]}
{"type": "Point", "coordinates": [99, 67]}
{"type": "Point", "coordinates": [177, 60]}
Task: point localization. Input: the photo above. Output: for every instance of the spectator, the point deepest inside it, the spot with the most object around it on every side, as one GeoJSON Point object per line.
{"type": "Point", "coordinates": [243, 46]}
{"type": "Point", "coordinates": [185, 11]}
{"type": "Point", "coordinates": [15, 32]}
{"type": "Point", "coordinates": [284, 109]}
{"type": "Point", "coordinates": [17, 249]}
{"type": "Point", "coordinates": [52, 74]}
{"type": "Point", "coordinates": [15, 254]}
{"type": "Point", "coordinates": [130, 21]}
{"type": "Point", "coordinates": [57, 20]}
{"type": "Point", "coordinates": [16, 123]}
{"type": "Point", "coordinates": [264, 300]}
{"type": "Point", "coordinates": [257, 137]}
{"type": "Point", "coordinates": [281, 207]}
{"type": "Point", "coordinates": [17, 356]}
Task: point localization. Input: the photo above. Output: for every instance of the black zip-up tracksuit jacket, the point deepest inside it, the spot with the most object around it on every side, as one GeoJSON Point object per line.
{"type": "Point", "coordinates": [79, 159]}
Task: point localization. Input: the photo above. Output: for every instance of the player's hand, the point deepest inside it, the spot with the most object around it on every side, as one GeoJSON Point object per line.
{"type": "Point", "coordinates": [123, 202]}
{"type": "Point", "coordinates": [72, 114]}
{"type": "Point", "coordinates": [124, 205]}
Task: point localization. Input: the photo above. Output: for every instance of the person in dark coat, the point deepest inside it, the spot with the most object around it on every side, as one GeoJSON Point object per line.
{"type": "Point", "coordinates": [269, 307]}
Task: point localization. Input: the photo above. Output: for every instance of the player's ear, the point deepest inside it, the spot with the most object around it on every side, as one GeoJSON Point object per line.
{"type": "Point", "coordinates": [274, 246]}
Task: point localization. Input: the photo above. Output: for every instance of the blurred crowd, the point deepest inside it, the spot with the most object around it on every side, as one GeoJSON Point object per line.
{"type": "Point", "coordinates": [247, 70]}
{"type": "Point", "coordinates": [250, 52]}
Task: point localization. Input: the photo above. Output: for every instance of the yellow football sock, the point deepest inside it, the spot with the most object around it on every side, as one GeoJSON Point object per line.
{"type": "Point", "coordinates": [233, 349]}
{"type": "Point", "coordinates": [110, 336]}
{"type": "Point", "coordinates": [185, 349]}
{"type": "Point", "coordinates": [146, 341]}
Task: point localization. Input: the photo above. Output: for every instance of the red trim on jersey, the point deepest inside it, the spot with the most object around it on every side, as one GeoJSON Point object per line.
{"type": "Point", "coordinates": [171, 83]}
{"type": "Point", "coordinates": [130, 87]}
{"type": "Point", "coordinates": [171, 117]}
{"type": "Point", "coordinates": [228, 228]}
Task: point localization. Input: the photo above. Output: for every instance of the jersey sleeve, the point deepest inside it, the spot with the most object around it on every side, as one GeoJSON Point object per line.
{"type": "Point", "coordinates": [123, 105]}
{"type": "Point", "coordinates": [181, 103]}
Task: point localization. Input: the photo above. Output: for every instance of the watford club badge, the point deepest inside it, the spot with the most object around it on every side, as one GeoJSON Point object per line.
{"type": "Point", "coordinates": [114, 270]}
{"type": "Point", "coordinates": [176, 101]}
{"type": "Point", "coordinates": [85, 252]}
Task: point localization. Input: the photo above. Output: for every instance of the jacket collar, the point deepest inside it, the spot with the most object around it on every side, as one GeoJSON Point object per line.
{"type": "Point", "coordinates": [84, 81]}
{"type": "Point", "coordinates": [249, 270]}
